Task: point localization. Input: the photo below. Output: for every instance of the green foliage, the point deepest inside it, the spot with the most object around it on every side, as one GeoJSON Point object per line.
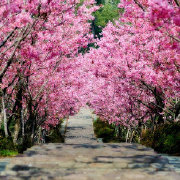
{"type": "Point", "coordinates": [7, 144]}
{"type": "Point", "coordinates": [100, 2]}
{"type": "Point", "coordinates": [165, 138]}
{"type": "Point", "coordinates": [112, 133]}
{"type": "Point", "coordinates": [7, 147]}
{"type": "Point", "coordinates": [104, 130]}
{"type": "Point", "coordinates": [107, 1]}
{"type": "Point", "coordinates": [80, 4]}
{"type": "Point", "coordinates": [5, 153]}
{"type": "Point", "coordinates": [87, 49]}
{"type": "Point", "coordinates": [109, 12]}
{"type": "Point", "coordinates": [55, 136]}
{"type": "Point", "coordinates": [2, 132]}
{"type": "Point", "coordinates": [147, 138]}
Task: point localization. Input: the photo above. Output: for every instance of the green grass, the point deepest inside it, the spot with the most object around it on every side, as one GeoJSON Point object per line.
{"type": "Point", "coordinates": [5, 153]}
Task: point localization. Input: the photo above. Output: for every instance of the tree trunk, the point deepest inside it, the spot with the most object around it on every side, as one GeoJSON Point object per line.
{"type": "Point", "coordinates": [22, 122]}
{"type": "Point", "coordinates": [4, 117]}
{"type": "Point", "coordinates": [132, 135]}
{"type": "Point", "coordinates": [16, 131]}
{"type": "Point", "coordinates": [127, 135]}
{"type": "Point", "coordinates": [1, 118]}
{"type": "Point", "coordinates": [18, 113]}
{"type": "Point", "coordinates": [160, 105]}
{"type": "Point", "coordinates": [118, 132]}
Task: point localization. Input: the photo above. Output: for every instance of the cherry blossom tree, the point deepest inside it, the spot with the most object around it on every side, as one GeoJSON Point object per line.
{"type": "Point", "coordinates": [131, 77]}
{"type": "Point", "coordinates": [135, 70]}
{"type": "Point", "coordinates": [39, 41]}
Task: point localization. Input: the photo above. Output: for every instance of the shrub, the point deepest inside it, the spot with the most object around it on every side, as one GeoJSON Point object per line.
{"type": "Point", "coordinates": [7, 144]}
{"type": "Point", "coordinates": [164, 139]}
{"type": "Point", "coordinates": [147, 138]}
{"type": "Point", "coordinates": [104, 130]}
{"type": "Point", "coordinates": [55, 136]}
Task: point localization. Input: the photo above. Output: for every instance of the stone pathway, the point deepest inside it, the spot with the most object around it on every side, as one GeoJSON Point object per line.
{"type": "Point", "coordinates": [174, 162]}
{"type": "Point", "coordinates": [80, 128]}
{"type": "Point", "coordinates": [82, 158]}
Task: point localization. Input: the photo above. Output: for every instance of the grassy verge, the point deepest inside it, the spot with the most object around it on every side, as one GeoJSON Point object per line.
{"type": "Point", "coordinates": [5, 153]}
{"type": "Point", "coordinates": [7, 148]}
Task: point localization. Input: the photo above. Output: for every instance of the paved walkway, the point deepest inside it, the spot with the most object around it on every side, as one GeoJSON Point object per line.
{"type": "Point", "coordinates": [80, 128]}
{"type": "Point", "coordinates": [82, 158]}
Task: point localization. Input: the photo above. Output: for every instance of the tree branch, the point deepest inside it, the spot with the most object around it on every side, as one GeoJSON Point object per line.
{"type": "Point", "coordinates": [6, 39]}
{"type": "Point", "coordinates": [3, 71]}
{"type": "Point", "coordinates": [140, 5]}
{"type": "Point", "coordinates": [10, 60]}
{"type": "Point", "coordinates": [46, 81]}
{"type": "Point", "coordinates": [173, 37]}
{"type": "Point", "coordinates": [177, 2]}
